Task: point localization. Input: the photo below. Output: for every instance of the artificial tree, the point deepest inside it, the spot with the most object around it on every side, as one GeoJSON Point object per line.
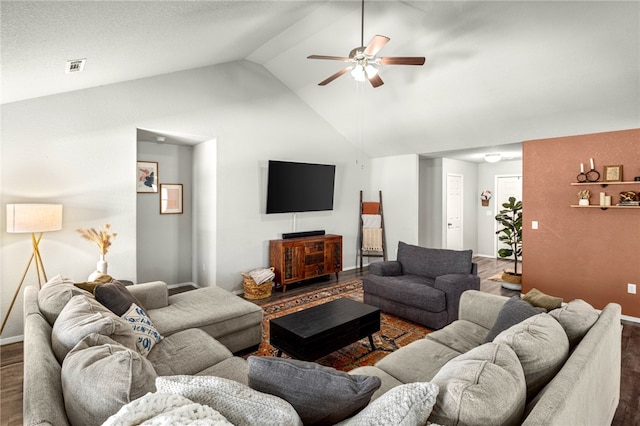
{"type": "Point", "coordinates": [510, 218]}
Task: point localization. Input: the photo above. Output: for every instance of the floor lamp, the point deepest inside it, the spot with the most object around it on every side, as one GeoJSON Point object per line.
{"type": "Point", "coordinates": [33, 219]}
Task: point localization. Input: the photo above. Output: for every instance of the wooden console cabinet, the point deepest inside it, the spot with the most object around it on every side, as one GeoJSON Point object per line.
{"type": "Point", "coordinates": [298, 259]}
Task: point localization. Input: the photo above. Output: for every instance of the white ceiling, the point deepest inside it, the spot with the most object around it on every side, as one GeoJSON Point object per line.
{"type": "Point", "coordinates": [496, 72]}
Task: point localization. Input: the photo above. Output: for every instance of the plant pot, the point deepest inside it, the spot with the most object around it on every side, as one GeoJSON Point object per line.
{"type": "Point", "coordinates": [583, 202]}
{"type": "Point", "coordinates": [511, 281]}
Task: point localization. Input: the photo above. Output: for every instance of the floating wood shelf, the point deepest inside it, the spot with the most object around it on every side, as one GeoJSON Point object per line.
{"type": "Point", "coordinates": [597, 206]}
{"type": "Point", "coordinates": [604, 184]}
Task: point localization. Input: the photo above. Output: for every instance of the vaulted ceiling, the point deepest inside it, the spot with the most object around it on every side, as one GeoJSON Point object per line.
{"type": "Point", "coordinates": [497, 72]}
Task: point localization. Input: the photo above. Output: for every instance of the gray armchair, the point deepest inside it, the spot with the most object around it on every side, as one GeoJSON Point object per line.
{"type": "Point", "coordinates": [424, 285]}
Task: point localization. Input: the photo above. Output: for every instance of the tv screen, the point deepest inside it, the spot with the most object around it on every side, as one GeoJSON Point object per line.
{"type": "Point", "coordinates": [299, 187]}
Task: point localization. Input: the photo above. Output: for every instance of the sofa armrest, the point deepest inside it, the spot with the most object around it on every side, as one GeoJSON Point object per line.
{"type": "Point", "coordinates": [454, 285]}
{"type": "Point", "coordinates": [480, 307]}
{"type": "Point", "coordinates": [388, 268]}
{"type": "Point", "coordinates": [152, 295]}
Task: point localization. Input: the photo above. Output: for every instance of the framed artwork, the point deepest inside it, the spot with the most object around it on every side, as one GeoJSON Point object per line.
{"type": "Point", "coordinates": [171, 198]}
{"type": "Point", "coordinates": [147, 176]}
{"type": "Point", "coordinates": [613, 173]}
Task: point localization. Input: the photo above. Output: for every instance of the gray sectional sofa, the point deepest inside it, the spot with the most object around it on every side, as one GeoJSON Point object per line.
{"type": "Point", "coordinates": [557, 368]}
{"type": "Point", "coordinates": [201, 330]}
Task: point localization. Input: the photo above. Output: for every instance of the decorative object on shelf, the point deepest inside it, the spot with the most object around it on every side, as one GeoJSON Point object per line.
{"type": "Point", "coordinates": [485, 196]}
{"type": "Point", "coordinates": [171, 198]}
{"type": "Point", "coordinates": [147, 176]}
{"type": "Point", "coordinates": [591, 176]}
{"type": "Point", "coordinates": [584, 196]}
{"type": "Point", "coordinates": [636, 179]}
{"type": "Point", "coordinates": [510, 217]}
{"type": "Point", "coordinates": [629, 198]}
{"type": "Point", "coordinates": [32, 218]}
{"type": "Point", "coordinates": [613, 173]}
{"type": "Point", "coordinates": [102, 238]}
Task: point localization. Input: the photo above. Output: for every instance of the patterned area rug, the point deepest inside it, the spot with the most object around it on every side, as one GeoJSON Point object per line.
{"type": "Point", "coordinates": [394, 332]}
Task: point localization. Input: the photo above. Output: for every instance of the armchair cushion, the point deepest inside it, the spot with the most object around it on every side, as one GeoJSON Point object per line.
{"type": "Point", "coordinates": [411, 290]}
{"type": "Point", "coordinates": [390, 268]}
{"type": "Point", "coordinates": [432, 263]}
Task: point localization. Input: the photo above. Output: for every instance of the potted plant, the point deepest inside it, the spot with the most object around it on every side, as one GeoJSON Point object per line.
{"type": "Point", "coordinates": [510, 218]}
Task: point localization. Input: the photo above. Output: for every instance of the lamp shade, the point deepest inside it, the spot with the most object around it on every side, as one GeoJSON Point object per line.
{"type": "Point", "coordinates": [34, 217]}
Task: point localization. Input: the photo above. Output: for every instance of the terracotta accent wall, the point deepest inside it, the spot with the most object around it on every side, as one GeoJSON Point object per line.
{"type": "Point", "coordinates": [589, 254]}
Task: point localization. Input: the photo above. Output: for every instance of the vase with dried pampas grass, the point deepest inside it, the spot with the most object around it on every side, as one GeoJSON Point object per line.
{"type": "Point", "coordinates": [102, 238]}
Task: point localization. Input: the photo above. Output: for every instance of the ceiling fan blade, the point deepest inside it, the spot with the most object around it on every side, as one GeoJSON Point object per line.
{"type": "Point", "coordinates": [375, 45]}
{"type": "Point", "coordinates": [402, 60]}
{"type": "Point", "coordinates": [330, 58]}
{"type": "Point", "coordinates": [375, 80]}
{"type": "Point", "coordinates": [334, 76]}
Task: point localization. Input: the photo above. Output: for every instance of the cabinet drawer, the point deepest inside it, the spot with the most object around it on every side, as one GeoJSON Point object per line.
{"type": "Point", "coordinates": [314, 247]}
{"type": "Point", "coordinates": [311, 271]}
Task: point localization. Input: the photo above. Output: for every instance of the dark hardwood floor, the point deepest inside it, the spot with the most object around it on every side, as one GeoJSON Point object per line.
{"type": "Point", "coordinates": [627, 414]}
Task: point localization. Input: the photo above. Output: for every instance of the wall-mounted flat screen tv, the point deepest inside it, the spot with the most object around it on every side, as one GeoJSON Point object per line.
{"type": "Point", "coordinates": [299, 187]}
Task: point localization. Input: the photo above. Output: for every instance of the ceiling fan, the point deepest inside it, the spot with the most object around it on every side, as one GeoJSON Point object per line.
{"type": "Point", "coordinates": [363, 60]}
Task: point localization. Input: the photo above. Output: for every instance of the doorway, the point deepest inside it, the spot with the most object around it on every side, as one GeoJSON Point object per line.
{"type": "Point", "coordinates": [455, 221]}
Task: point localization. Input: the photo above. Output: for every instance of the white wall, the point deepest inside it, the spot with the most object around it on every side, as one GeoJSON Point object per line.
{"type": "Point", "coordinates": [204, 211]}
{"type": "Point", "coordinates": [164, 248]}
{"type": "Point", "coordinates": [397, 178]}
{"type": "Point", "coordinates": [431, 200]}
{"type": "Point", "coordinates": [79, 149]}
{"type": "Point", "coordinates": [487, 173]}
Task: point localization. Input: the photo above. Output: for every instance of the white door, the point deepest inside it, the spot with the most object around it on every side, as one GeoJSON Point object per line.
{"type": "Point", "coordinates": [454, 211]}
{"type": "Point", "coordinates": [506, 186]}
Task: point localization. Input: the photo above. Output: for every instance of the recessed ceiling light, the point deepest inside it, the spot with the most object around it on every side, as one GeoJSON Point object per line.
{"type": "Point", "coordinates": [75, 65]}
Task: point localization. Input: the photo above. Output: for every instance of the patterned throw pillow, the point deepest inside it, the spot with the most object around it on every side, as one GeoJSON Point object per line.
{"type": "Point", "coordinates": [143, 328]}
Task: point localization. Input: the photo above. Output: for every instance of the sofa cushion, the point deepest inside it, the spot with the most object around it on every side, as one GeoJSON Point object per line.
{"type": "Point", "coordinates": [187, 352]}
{"type": "Point", "coordinates": [512, 312]}
{"type": "Point", "coordinates": [55, 294]}
{"type": "Point", "coordinates": [432, 263]}
{"type": "Point", "coordinates": [82, 316]}
{"type": "Point", "coordinates": [238, 403]}
{"type": "Point", "coordinates": [541, 346]}
{"type": "Point", "coordinates": [411, 290]}
{"type": "Point", "coordinates": [215, 310]}
{"type": "Point", "coordinates": [541, 300]}
{"type": "Point", "coordinates": [321, 395]}
{"type": "Point", "coordinates": [388, 381]}
{"type": "Point", "coordinates": [408, 404]}
{"type": "Point", "coordinates": [146, 334]}
{"type": "Point", "coordinates": [576, 318]}
{"type": "Point", "coordinates": [419, 361]}
{"type": "Point", "coordinates": [234, 368]}
{"type": "Point", "coordinates": [485, 386]}
{"type": "Point", "coordinates": [460, 335]}
{"type": "Point", "coordinates": [99, 376]}
{"type": "Point", "coordinates": [116, 297]}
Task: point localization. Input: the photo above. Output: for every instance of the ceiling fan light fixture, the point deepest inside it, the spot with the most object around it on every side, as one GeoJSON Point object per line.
{"type": "Point", "coordinates": [492, 158]}
{"type": "Point", "coordinates": [358, 73]}
{"type": "Point", "coordinates": [371, 70]}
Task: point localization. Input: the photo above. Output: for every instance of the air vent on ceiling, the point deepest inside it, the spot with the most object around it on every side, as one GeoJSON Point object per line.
{"type": "Point", "coordinates": [75, 65]}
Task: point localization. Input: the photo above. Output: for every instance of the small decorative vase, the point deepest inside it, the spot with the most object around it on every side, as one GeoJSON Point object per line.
{"type": "Point", "coordinates": [583, 202]}
{"type": "Point", "coordinates": [102, 265]}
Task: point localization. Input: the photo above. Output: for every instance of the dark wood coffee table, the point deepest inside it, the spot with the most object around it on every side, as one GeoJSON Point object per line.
{"type": "Point", "coordinates": [320, 330]}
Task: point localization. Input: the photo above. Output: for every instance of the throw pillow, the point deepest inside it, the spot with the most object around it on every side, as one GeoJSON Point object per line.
{"type": "Point", "coordinates": [238, 403]}
{"type": "Point", "coordinates": [576, 317]}
{"type": "Point", "coordinates": [541, 300]}
{"type": "Point", "coordinates": [87, 286]}
{"type": "Point", "coordinates": [116, 297]}
{"type": "Point", "coordinates": [541, 346]}
{"type": "Point", "coordinates": [485, 386]}
{"type": "Point", "coordinates": [144, 330]}
{"type": "Point", "coordinates": [166, 409]}
{"type": "Point", "coordinates": [55, 294]}
{"type": "Point", "coordinates": [404, 405]}
{"type": "Point", "coordinates": [83, 316]}
{"type": "Point", "coordinates": [99, 376]}
{"type": "Point", "coordinates": [512, 312]}
{"type": "Point", "coordinates": [320, 395]}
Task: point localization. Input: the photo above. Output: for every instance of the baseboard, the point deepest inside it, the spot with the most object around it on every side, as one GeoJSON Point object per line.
{"type": "Point", "coordinates": [10, 340]}
{"type": "Point", "coordinates": [490, 256]}
{"type": "Point", "coordinates": [630, 319]}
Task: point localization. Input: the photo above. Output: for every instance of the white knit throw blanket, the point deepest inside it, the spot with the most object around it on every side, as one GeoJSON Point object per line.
{"type": "Point", "coordinates": [160, 409]}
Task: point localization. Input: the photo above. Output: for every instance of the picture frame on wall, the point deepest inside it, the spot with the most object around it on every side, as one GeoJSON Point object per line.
{"type": "Point", "coordinates": [147, 176]}
{"type": "Point", "coordinates": [613, 173]}
{"type": "Point", "coordinates": [171, 198]}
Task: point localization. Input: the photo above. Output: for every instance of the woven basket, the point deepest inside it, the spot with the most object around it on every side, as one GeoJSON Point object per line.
{"type": "Point", "coordinates": [254, 291]}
